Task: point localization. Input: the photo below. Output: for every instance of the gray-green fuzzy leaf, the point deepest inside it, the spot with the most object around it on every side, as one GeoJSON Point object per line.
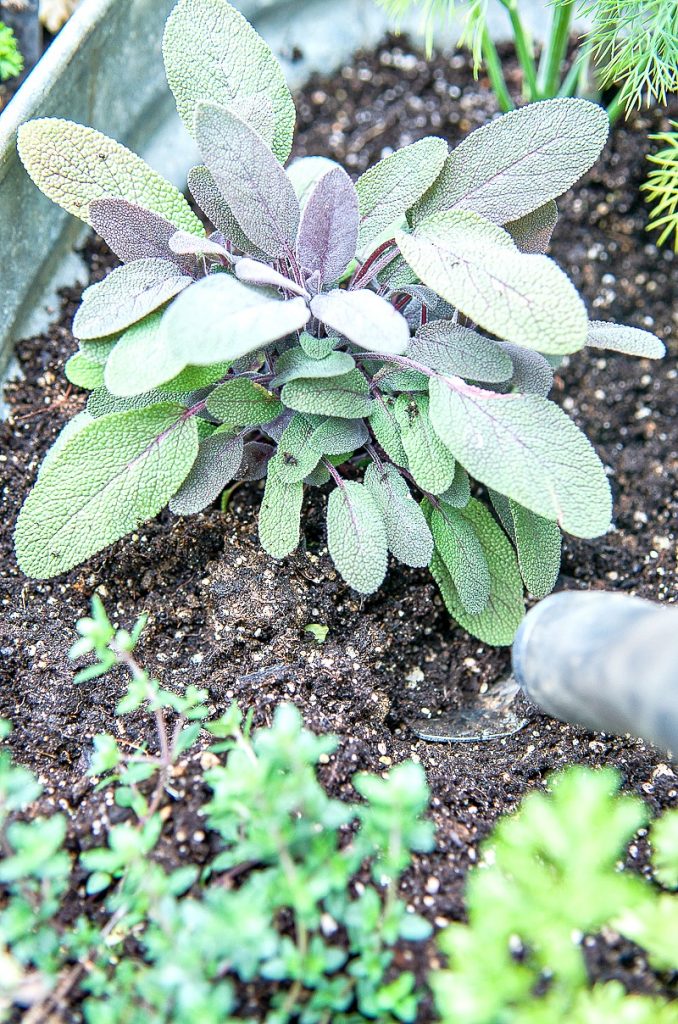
{"type": "Point", "coordinates": [205, 191]}
{"type": "Point", "coordinates": [212, 53]}
{"type": "Point", "coordinates": [133, 366]}
{"type": "Point", "coordinates": [497, 623]}
{"type": "Point", "coordinates": [460, 549]}
{"type": "Point", "coordinates": [317, 348]}
{"type": "Point", "coordinates": [518, 162]}
{"type": "Point", "coordinates": [346, 396]}
{"type": "Point", "coordinates": [364, 318]}
{"type": "Point", "coordinates": [430, 462]}
{"type": "Point", "coordinates": [386, 429]}
{"type": "Point", "coordinates": [242, 402]}
{"type": "Point", "coordinates": [538, 543]}
{"type": "Point", "coordinates": [630, 340]}
{"type": "Point", "coordinates": [457, 350]}
{"type": "Point", "coordinates": [220, 319]}
{"type": "Point", "coordinates": [407, 532]}
{"type": "Point", "coordinates": [127, 295]}
{"type": "Point", "coordinates": [458, 493]}
{"type": "Point", "coordinates": [532, 233]}
{"type": "Point", "coordinates": [114, 474]}
{"type": "Point", "coordinates": [249, 177]}
{"type": "Point", "coordinates": [334, 436]}
{"type": "Point", "coordinates": [74, 165]}
{"type": "Point", "coordinates": [280, 515]}
{"type": "Point", "coordinates": [255, 272]}
{"type": "Point", "coordinates": [102, 403]}
{"type": "Point", "coordinates": [72, 427]}
{"type": "Point", "coordinates": [295, 457]}
{"type": "Point", "coordinates": [219, 457]}
{"type": "Point", "coordinates": [388, 190]}
{"type": "Point", "coordinates": [477, 267]}
{"type": "Point", "coordinates": [84, 372]}
{"type": "Point", "coordinates": [306, 172]}
{"type": "Point", "coordinates": [356, 537]}
{"type": "Point", "coordinates": [532, 374]}
{"type": "Point", "coordinates": [295, 364]}
{"type": "Point", "coordinates": [134, 233]}
{"type": "Point", "coordinates": [328, 232]}
{"type": "Point", "coordinates": [527, 448]}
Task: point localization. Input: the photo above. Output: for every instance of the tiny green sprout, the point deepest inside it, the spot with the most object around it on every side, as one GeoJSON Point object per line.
{"type": "Point", "coordinates": [317, 631]}
{"type": "Point", "coordinates": [11, 60]}
{"type": "Point", "coordinates": [257, 354]}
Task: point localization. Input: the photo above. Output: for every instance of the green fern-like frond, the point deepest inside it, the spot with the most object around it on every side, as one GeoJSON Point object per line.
{"type": "Point", "coordinates": [433, 12]}
{"type": "Point", "coordinates": [11, 61]}
{"type": "Point", "coordinates": [635, 44]}
{"type": "Point", "coordinates": [661, 187]}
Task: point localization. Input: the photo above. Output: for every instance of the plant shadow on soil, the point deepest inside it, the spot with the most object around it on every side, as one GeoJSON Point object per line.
{"type": "Point", "coordinates": [225, 616]}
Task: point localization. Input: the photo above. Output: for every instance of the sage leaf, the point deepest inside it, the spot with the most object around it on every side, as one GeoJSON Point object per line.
{"type": "Point", "coordinates": [317, 348]}
{"type": "Point", "coordinates": [243, 402]}
{"type": "Point", "coordinates": [212, 52]}
{"type": "Point", "coordinates": [84, 372]}
{"type": "Point", "coordinates": [72, 427]}
{"type": "Point", "coordinates": [527, 448]}
{"type": "Point", "coordinates": [538, 543]}
{"type": "Point", "coordinates": [458, 493]}
{"type": "Point", "coordinates": [346, 396]}
{"type": "Point", "coordinates": [255, 460]}
{"type": "Point", "coordinates": [295, 363]}
{"type": "Point", "coordinates": [295, 457]}
{"type": "Point", "coordinates": [116, 473]}
{"type": "Point", "coordinates": [386, 429]}
{"type": "Point", "coordinates": [387, 190]}
{"type": "Point", "coordinates": [356, 537]}
{"type": "Point", "coordinates": [133, 233]}
{"type": "Point", "coordinates": [280, 515]}
{"type": "Point", "coordinates": [461, 352]}
{"type": "Point", "coordinates": [328, 231]}
{"type": "Point", "coordinates": [101, 402]}
{"type": "Point", "coordinates": [477, 267]}
{"type": "Point", "coordinates": [430, 462]}
{"type": "Point", "coordinates": [306, 172]}
{"type": "Point", "coordinates": [364, 318]}
{"type": "Point", "coordinates": [531, 372]}
{"type": "Point", "coordinates": [205, 191]}
{"type": "Point", "coordinates": [74, 165]}
{"type": "Point", "coordinates": [219, 457]}
{"type": "Point", "coordinates": [515, 164]}
{"type": "Point", "coordinates": [254, 272]}
{"type": "Point", "coordinates": [249, 177]}
{"type": "Point", "coordinates": [220, 319]}
{"type": "Point", "coordinates": [127, 295]}
{"type": "Point", "coordinates": [183, 244]}
{"type": "Point", "coordinates": [460, 549]}
{"type": "Point", "coordinates": [630, 340]}
{"type": "Point", "coordinates": [334, 436]}
{"type": "Point", "coordinates": [134, 365]}
{"type": "Point", "coordinates": [407, 532]}
{"type": "Point", "coordinates": [497, 623]}
{"type": "Point", "coordinates": [532, 233]}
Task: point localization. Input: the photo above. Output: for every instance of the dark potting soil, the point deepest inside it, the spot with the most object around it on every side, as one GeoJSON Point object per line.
{"type": "Point", "coordinates": [226, 617]}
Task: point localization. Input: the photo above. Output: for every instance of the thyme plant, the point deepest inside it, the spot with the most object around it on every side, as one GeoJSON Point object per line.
{"type": "Point", "coordinates": [390, 338]}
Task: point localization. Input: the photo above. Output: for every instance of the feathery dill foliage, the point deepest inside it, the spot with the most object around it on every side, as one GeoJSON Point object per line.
{"type": "Point", "coordinates": [385, 339]}
{"type": "Point", "coordinates": [11, 60]}
{"type": "Point", "coordinates": [661, 187]}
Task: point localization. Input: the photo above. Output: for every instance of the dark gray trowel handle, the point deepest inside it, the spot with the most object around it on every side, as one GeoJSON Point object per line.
{"type": "Point", "coordinates": [604, 661]}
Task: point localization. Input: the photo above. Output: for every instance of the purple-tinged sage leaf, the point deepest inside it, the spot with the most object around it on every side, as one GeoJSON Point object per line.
{"type": "Point", "coordinates": [364, 318]}
{"type": "Point", "coordinates": [205, 191]}
{"type": "Point", "coordinates": [328, 232]}
{"type": "Point", "coordinates": [134, 233]}
{"type": "Point", "coordinates": [219, 456]}
{"type": "Point", "coordinates": [255, 460]}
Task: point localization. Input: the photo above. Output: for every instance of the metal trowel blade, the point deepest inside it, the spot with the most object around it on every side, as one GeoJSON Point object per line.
{"type": "Point", "coordinates": [488, 717]}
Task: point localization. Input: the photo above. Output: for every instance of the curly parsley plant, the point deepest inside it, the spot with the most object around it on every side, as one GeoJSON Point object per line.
{"type": "Point", "coordinates": [391, 337]}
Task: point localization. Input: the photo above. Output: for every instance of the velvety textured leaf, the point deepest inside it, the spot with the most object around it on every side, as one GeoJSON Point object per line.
{"type": "Point", "coordinates": [630, 340]}
{"type": "Point", "coordinates": [518, 162]}
{"type": "Point", "coordinates": [131, 366]}
{"type": "Point", "coordinates": [72, 427]}
{"type": "Point", "coordinates": [280, 515]}
{"type": "Point", "coordinates": [241, 402]}
{"type": "Point", "coordinates": [220, 319]}
{"type": "Point", "coordinates": [317, 348]}
{"type": "Point", "coordinates": [194, 378]}
{"type": "Point", "coordinates": [295, 457]}
{"type": "Point", "coordinates": [387, 190]}
{"type": "Point", "coordinates": [306, 172]}
{"type": "Point", "coordinates": [102, 403]}
{"type": "Point", "coordinates": [295, 364]}
{"type": "Point", "coordinates": [364, 318]}
{"type": "Point", "coordinates": [532, 233]}
{"type": "Point", "coordinates": [456, 350]}
{"type": "Point", "coordinates": [408, 535]}
{"type": "Point", "coordinates": [430, 462]}
{"type": "Point", "coordinates": [113, 475]}
{"type": "Point", "coordinates": [219, 457]}
{"type": "Point", "coordinates": [458, 493]}
{"type": "Point", "coordinates": [84, 372]}
{"type": "Point", "coordinates": [255, 272]}
{"type": "Point", "coordinates": [133, 233]}
{"type": "Point", "coordinates": [391, 378]}
{"type": "Point", "coordinates": [346, 396]}
{"type": "Point", "coordinates": [212, 53]}
{"type": "Point", "coordinates": [184, 244]}
{"type": "Point", "coordinates": [255, 460]}
{"type": "Point", "coordinates": [532, 374]}
{"type": "Point", "coordinates": [386, 429]}
{"type": "Point", "coordinates": [527, 448]}
{"type": "Point", "coordinates": [126, 295]}
{"type": "Point", "coordinates": [74, 165]}
{"type": "Point", "coordinates": [356, 537]}
{"type": "Point", "coordinates": [328, 232]}
{"type": "Point", "coordinates": [249, 177]}
{"type": "Point", "coordinates": [333, 436]}
{"type": "Point", "coordinates": [477, 267]}
{"type": "Point", "coordinates": [205, 191]}
{"type": "Point", "coordinates": [497, 623]}
{"type": "Point", "coordinates": [538, 543]}
{"type": "Point", "coordinates": [463, 555]}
